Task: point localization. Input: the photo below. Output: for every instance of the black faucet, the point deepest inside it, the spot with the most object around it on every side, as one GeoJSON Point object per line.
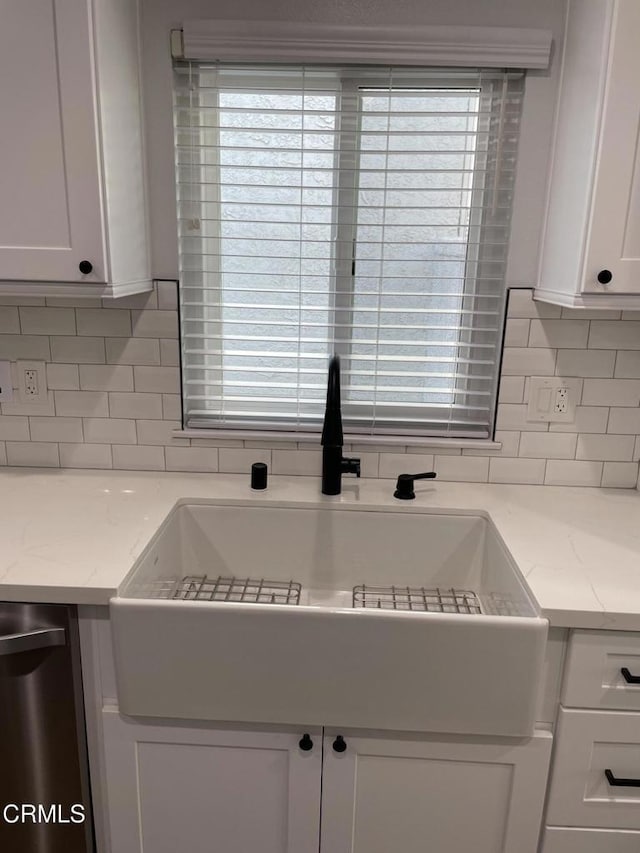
{"type": "Point", "coordinates": [334, 464]}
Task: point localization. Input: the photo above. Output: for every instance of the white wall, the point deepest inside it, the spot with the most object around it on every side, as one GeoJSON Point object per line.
{"type": "Point", "coordinates": [160, 16]}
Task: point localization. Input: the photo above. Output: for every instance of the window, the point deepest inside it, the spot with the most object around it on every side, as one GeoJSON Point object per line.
{"type": "Point", "coordinates": [362, 211]}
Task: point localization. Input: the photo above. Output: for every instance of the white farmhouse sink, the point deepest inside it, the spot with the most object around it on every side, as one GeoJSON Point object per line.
{"type": "Point", "coordinates": [322, 661]}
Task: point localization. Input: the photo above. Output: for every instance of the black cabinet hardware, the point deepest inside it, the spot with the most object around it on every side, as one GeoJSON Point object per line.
{"type": "Point", "coordinates": [621, 783]}
{"type": "Point", "coordinates": [339, 745]}
{"type": "Point", "coordinates": [605, 276]}
{"type": "Point", "coordinates": [85, 267]}
{"type": "Point", "coordinates": [630, 679]}
{"type": "Point", "coordinates": [305, 743]}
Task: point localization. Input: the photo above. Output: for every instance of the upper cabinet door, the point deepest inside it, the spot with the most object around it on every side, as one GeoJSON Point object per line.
{"type": "Point", "coordinates": [590, 254]}
{"type": "Point", "coordinates": [50, 206]}
{"type": "Point", "coordinates": [613, 242]}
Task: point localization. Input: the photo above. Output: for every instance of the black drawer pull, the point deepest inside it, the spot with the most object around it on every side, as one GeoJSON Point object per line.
{"type": "Point", "coordinates": [621, 783]}
{"type": "Point", "coordinates": [630, 679]}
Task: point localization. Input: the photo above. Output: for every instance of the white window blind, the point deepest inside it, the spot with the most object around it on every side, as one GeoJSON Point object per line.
{"type": "Point", "coordinates": [361, 211]}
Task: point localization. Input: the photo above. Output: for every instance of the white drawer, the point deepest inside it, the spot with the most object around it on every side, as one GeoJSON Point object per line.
{"type": "Point", "coordinates": [594, 670]}
{"type": "Point", "coordinates": [588, 743]}
{"type": "Point", "coordinates": [562, 839]}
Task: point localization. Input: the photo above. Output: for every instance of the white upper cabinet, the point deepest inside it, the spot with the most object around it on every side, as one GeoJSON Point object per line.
{"type": "Point", "coordinates": [591, 241]}
{"type": "Point", "coordinates": [72, 208]}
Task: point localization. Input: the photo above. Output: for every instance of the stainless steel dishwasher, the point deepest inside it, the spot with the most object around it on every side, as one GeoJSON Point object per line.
{"type": "Point", "coordinates": [45, 804]}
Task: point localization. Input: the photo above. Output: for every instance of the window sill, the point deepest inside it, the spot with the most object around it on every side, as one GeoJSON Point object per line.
{"type": "Point", "coordinates": [314, 439]}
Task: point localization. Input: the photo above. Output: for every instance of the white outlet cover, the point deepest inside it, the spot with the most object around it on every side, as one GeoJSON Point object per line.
{"type": "Point", "coordinates": [6, 387]}
{"type": "Point", "coordinates": [542, 396]}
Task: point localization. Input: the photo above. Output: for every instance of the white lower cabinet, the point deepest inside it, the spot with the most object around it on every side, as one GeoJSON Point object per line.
{"type": "Point", "coordinates": [171, 787]}
{"type": "Point", "coordinates": [197, 789]}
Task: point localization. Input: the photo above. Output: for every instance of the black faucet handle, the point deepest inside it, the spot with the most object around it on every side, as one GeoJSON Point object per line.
{"type": "Point", "coordinates": [350, 466]}
{"type": "Point", "coordinates": [404, 487]}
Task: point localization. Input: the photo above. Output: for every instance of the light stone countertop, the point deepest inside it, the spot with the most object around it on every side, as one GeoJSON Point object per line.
{"type": "Point", "coordinates": [72, 536]}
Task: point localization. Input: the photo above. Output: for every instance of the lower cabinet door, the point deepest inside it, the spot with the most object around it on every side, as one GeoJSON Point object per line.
{"type": "Point", "coordinates": [564, 839]}
{"type": "Point", "coordinates": [413, 795]}
{"type": "Point", "coordinates": [197, 789]}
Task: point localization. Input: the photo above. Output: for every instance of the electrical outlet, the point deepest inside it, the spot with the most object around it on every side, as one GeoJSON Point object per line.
{"type": "Point", "coordinates": [6, 386]}
{"type": "Point", "coordinates": [553, 400]}
{"type": "Point", "coordinates": [561, 403]}
{"type": "Point", "coordinates": [32, 381]}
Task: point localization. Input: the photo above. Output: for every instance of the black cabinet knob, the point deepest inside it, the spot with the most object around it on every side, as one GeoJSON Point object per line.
{"type": "Point", "coordinates": [85, 267]}
{"type": "Point", "coordinates": [605, 276]}
{"type": "Point", "coordinates": [339, 745]}
{"type": "Point", "coordinates": [305, 743]}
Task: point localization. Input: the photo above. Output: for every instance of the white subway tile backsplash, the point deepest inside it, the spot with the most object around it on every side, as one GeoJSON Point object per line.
{"type": "Point", "coordinates": [297, 462]}
{"type": "Point", "coordinates": [167, 295]}
{"type": "Point", "coordinates": [521, 304]}
{"type": "Point", "coordinates": [106, 377]}
{"type": "Point", "coordinates": [135, 405]}
{"type": "Point", "coordinates": [77, 350]}
{"type": "Point", "coordinates": [81, 404]}
{"type": "Point", "coordinates": [63, 377]}
{"type": "Point", "coordinates": [113, 374]}
{"type": "Point", "coordinates": [628, 364]}
{"type": "Point", "coordinates": [198, 459]}
{"type": "Point", "coordinates": [14, 428]}
{"type": "Point", "coordinates": [48, 321]}
{"type": "Point", "coordinates": [513, 416]}
{"type": "Point", "coordinates": [169, 352]}
{"type": "Point", "coordinates": [624, 421]}
{"type": "Point", "coordinates": [391, 465]}
{"type": "Point", "coordinates": [17, 407]}
{"type": "Point", "coordinates": [233, 461]}
{"type": "Point", "coordinates": [569, 334]}
{"type": "Point", "coordinates": [98, 321]}
{"type": "Point", "coordinates": [511, 389]}
{"type": "Point", "coordinates": [588, 419]}
{"type": "Point", "coordinates": [110, 431]}
{"type": "Point", "coordinates": [472, 469]}
{"type": "Point", "coordinates": [611, 392]}
{"type": "Point", "coordinates": [517, 471]}
{"type": "Point", "coordinates": [171, 407]}
{"type": "Point", "coordinates": [547, 445]}
{"type": "Point", "coordinates": [159, 380]}
{"type": "Point", "coordinates": [619, 475]}
{"type": "Point", "coordinates": [584, 362]}
{"type": "Point", "coordinates": [56, 429]}
{"type": "Point", "coordinates": [613, 448]}
{"type": "Point", "coordinates": [138, 457]}
{"type": "Point", "coordinates": [159, 432]}
{"type": "Point", "coordinates": [562, 472]}
{"type": "Point", "coordinates": [614, 335]}
{"type": "Point", "coordinates": [85, 456]}
{"type": "Point", "coordinates": [516, 333]}
{"type": "Point", "coordinates": [32, 454]}
{"type": "Point", "coordinates": [155, 324]}
{"type": "Point", "coordinates": [14, 347]}
{"type": "Point", "coordinates": [528, 361]}
{"type": "Point", "coordinates": [132, 351]}
{"type": "Point", "coordinates": [9, 321]}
